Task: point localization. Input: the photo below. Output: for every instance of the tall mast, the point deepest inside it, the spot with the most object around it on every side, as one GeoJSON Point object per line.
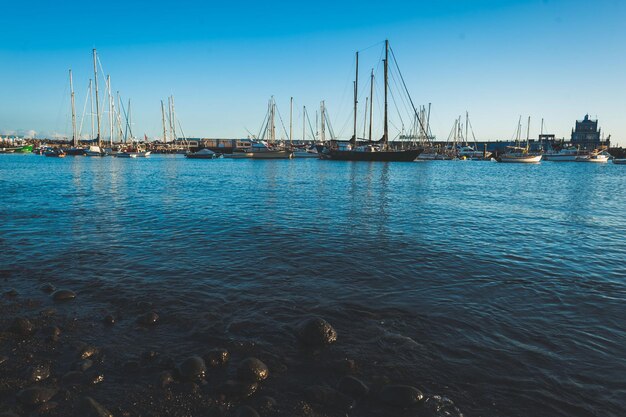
{"type": "Point", "coordinates": [95, 77]}
{"type": "Point", "coordinates": [386, 128]}
{"type": "Point", "coordinates": [303, 124]}
{"type": "Point", "coordinates": [130, 123]}
{"type": "Point", "coordinates": [163, 120]}
{"type": "Point", "coordinates": [322, 121]}
{"type": "Point", "coordinates": [169, 110]}
{"type": "Point", "coordinates": [371, 103]}
{"type": "Point", "coordinates": [291, 122]}
{"type": "Point", "coordinates": [74, 137]}
{"type": "Point", "coordinates": [466, 126]}
{"type": "Point", "coordinates": [528, 133]}
{"type": "Point", "coordinates": [356, 92]}
{"type": "Point", "coordinates": [91, 105]}
{"type": "Point", "coordinates": [365, 117]}
{"type": "Point", "coordinates": [173, 120]}
{"type": "Point", "coordinates": [110, 110]}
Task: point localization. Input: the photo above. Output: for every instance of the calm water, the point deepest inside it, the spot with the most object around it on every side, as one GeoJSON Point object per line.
{"type": "Point", "coordinates": [502, 287]}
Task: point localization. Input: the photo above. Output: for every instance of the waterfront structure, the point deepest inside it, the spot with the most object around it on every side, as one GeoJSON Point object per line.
{"type": "Point", "coordinates": [587, 135]}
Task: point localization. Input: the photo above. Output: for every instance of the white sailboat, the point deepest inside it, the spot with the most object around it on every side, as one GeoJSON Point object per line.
{"type": "Point", "coordinates": [517, 154]}
{"type": "Point", "coordinates": [96, 150]}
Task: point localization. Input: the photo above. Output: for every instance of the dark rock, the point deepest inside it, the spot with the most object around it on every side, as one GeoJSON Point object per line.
{"type": "Point", "coordinates": [35, 395]}
{"type": "Point", "coordinates": [165, 379]}
{"type": "Point", "coordinates": [52, 334]}
{"type": "Point", "coordinates": [402, 396]}
{"type": "Point", "coordinates": [246, 411]}
{"type": "Point", "coordinates": [21, 326]}
{"type": "Point", "coordinates": [39, 373]}
{"type": "Point", "coordinates": [329, 397]}
{"type": "Point", "coordinates": [252, 369]}
{"type": "Point", "coordinates": [239, 389]}
{"type": "Point", "coordinates": [109, 320]}
{"type": "Point", "coordinates": [91, 408]}
{"type": "Point", "coordinates": [193, 368]}
{"type": "Point", "coordinates": [3, 359]}
{"type": "Point", "coordinates": [12, 292]}
{"type": "Point", "coordinates": [436, 406]}
{"type": "Point", "coordinates": [217, 358]}
{"type": "Point", "coordinates": [63, 295]}
{"type": "Point", "coordinates": [316, 332]}
{"type": "Point", "coordinates": [148, 319]}
{"type": "Point", "coordinates": [353, 387]}
{"type": "Point", "coordinates": [47, 288]}
{"type": "Point", "coordinates": [266, 405]}
{"type": "Point", "coordinates": [48, 312]}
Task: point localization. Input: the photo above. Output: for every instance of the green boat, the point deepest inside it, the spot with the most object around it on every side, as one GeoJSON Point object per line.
{"type": "Point", "coordinates": [24, 149]}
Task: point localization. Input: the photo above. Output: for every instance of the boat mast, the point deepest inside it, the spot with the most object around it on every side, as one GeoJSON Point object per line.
{"type": "Point", "coordinates": [365, 117]}
{"type": "Point", "coordinates": [74, 137]}
{"type": "Point", "coordinates": [386, 125]}
{"type": "Point", "coordinates": [95, 76]}
{"type": "Point", "coordinates": [466, 127]}
{"type": "Point", "coordinates": [291, 123]}
{"type": "Point", "coordinates": [110, 110]}
{"type": "Point", "coordinates": [371, 103]}
{"type": "Point", "coordinates": [303, 124]}
{"type": "Point", "coordinates": [356, 91]}
{"type": "Point", "coordinates": [528, 134]}
{"type": "Point", "coordinates": [91, 105]}
{"type": "Point", "coordinates": [322, 121]}
{"type": "Point", "coordinates": [173, 120]}
{"type": "Point", "coordinates": [163, 120]}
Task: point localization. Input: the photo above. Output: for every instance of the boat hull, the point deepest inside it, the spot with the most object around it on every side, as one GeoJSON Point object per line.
{"type": "Point", "coordinates": [619, 161]}
{"type": "Point", "coordinates": [271, 155]}
{"type": "Point", "coordinates": [380, 156]}
{"type": "Point", "coordinates": [595, 160]}
{"type": "Point", "coordinates": [560, 158]}
{"type": "Point", "coordinates": [531, 159]}
{"type": "Point", "coordinates": [238, 155]}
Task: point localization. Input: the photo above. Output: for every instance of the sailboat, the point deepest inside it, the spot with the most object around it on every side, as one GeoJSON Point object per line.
{"type": "Point", "coordinates": [379, 151]}
{"type": "Point", "coordinates": [517, 154]}
{"type": "Point", "coordinates": [268, 149]}
{"type": "Point", "coordinates": [96, 150]}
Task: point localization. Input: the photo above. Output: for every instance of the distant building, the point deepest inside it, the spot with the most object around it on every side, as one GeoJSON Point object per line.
{"type": "Point", "coordinates": [586, 135]}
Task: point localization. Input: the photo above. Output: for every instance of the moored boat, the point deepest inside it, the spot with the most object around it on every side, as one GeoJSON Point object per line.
{"type": "Point", "coordinates": [515, 154]}
{"type": "Point", "coordinates": [621, 161]}
{"type": "Point", "coordinates": [563, 155]}
{"type": "Point", "coordinates": [202, 154]}
{"type": "Point", "coordinates": [55, 153]}
{"type": "Point", "coordinates": [599, 158]}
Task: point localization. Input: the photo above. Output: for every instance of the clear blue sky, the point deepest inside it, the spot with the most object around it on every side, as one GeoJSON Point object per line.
{"type": "Point", "coordinates": [551, 59]}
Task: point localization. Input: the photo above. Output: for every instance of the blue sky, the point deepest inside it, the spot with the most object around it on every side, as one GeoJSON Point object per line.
{"type": "Point", "coordinates": [550, 59]}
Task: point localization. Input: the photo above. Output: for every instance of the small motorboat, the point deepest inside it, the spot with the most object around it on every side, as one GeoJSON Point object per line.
{"type": "Point", "coordinates": [203, 154]}
{"type": "Point", "coordinates": [600, 158]}
{"type": "Point", "coordinates": [621, 161]}
{"type": "Point", "coordinates": [55, 153]}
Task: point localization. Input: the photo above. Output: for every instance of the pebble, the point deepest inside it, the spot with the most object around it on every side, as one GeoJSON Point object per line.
{"type": "Point", "coordinates": [39, 373]}
{"type": "Point", "coordinates": [88, 351]}
{"type": "Point", "coordinates": [252, 369]}
{"type": "Point", "coordinates": [353, 387]}
{"type": "Point", "coordinates": [91, 408]}
{"type": "Point", "coordinates": [193, 368]}
{"type": "Point", "coordinates": [246, 411]}
{"type": "Point", "coordinates": [21, 326]}
{"type": "Point", "coordinates": [401, 395]}
{"type": "Point", "coordinates": [148, 319]}
{"type": "Point", "coordinates": [63, 295]}
{"type": "Point", "coordinates": [316, 332]}
{"type": "Point", "coordinates": [3, 359]}
{"type": "Point", "coordinates": [35, 395]}
{"type": "Point", "coordinates": [217, 358]}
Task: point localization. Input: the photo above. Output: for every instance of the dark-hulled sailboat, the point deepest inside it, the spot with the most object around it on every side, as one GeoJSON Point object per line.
{"type": "Point", "coordinates": [379, 151]}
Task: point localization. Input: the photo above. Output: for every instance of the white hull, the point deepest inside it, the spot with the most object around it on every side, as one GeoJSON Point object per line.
{"type": "Point", "coordinates": [272, 154]}
{"type": "Point", "coordinates": [598, 159]}
{"type": "Point", "coordinates": [560, 158]}
{"type": "Point", "coordinates": [530, 159]}
{"type": "Point", "coordinates": [306, 155]}
{"type": "Point", "coordinates": [619, 161]}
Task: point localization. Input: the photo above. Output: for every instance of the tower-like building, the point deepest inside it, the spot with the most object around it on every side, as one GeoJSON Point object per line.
{"type": "Point", "coordinates": [586, 135]}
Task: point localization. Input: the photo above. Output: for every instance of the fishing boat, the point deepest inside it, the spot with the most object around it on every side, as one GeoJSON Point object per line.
{"type": "Point", "coordinates": [126, 155]}
{"type": "Point", "coordinates": [202, 154]}
{"type": "Point", "coordinates": [24, 149]}
{"type": "Point", "coordinates": [563, 155]}
{"type": "Point", "coordinates": [518, 154]}
{"type": "Point", "coordinates": [379, 151]}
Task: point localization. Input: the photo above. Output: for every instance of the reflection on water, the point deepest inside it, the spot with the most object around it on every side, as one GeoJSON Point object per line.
{"type": "Point", "coordinates": [499, 286]}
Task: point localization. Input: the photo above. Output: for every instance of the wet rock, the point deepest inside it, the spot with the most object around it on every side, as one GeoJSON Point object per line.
{"type": "Point", "coordinates": [316, 332]}
{"type": "Point", "coordinates": [35, 395]}
{"type": "Point", "coordinates": [240, 389]}
{"type": "Point", "coordinates": [401, 396]}
{"type": "Point", "coordinates": [345, 366]}
{"type": "Point", "coordinates": [52, 333]}
{"type": "Point", "coordinates": [39, 373]}
{"type": "Point", "coordinates": [193, 368]}
{"type": "Point", "coordinates": [47, 288]}
{"type": "Point", "coordinates": [266, 404]}
{"type": "Point", "coordinates": [93, 378]}
{"type": "Point", "coordinates": [217, 358]}
{"type": "Point", "coordinates": [148, 319]}
{"type": "Point", "coordinates": [436, 406]}
{"type": "Point", "coordinates": [48, 312]}
{"type": "Point", "coordinates": [63, 295]}
{"type": "Point", "coordinates": [246, 411]}
{"type": "Point", "coordinates": [329, 397]}
{"type": "Point", "coordinates": [252, 369]}
{"type": "Point", "coordinates": [91, 408]}
{"type": "Point", "coordinates": [87, 351]}
{"type": "Point", "coordinates": [12, 292]}
{"type": "Point", "coordinates": [353, 387]}
{"type": "Point", "coordinates": [3, 359]}
{"type": "Point", "coordinates": [165, 379]}
{"type": "Point", "coordinates": [21, 326]}
{"type": "Point", "coordinates": [109, 320]}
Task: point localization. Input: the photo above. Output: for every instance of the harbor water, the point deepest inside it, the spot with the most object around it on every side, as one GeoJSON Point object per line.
{"type": "Point", "coordinates": [500, 287]}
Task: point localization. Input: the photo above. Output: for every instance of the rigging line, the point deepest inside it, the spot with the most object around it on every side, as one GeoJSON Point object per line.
{"type": "Point", "coordinates": [371, 46]}
{"type": "Point", "coordinates": [82, 119]}
{"type": "Point", "coordinates": [330, 127]}
{"type": "Point", "coordinates": [281, 122]}
{"type": "Point", "coordinates": [393, 97]}
{"type": "Point", "coordinates": [405, 87]}
{"type": "Point", "coordinates": [264, 126]}
{"type": "Point", "coordinates": [310, 126]}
